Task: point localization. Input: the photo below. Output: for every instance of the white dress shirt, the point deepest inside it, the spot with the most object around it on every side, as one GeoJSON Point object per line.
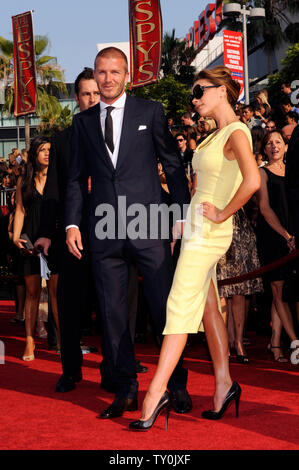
{"type": "Point", "coordinates": [117, 115]}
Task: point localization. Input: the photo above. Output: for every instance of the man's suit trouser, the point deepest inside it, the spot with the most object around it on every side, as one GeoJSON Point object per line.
{"type": "Point", "coordinates": [111, 271]}
{"type": "Point", "coordinates": [133, 307]}
{"type": "Point", "coordinates": [72, 298]}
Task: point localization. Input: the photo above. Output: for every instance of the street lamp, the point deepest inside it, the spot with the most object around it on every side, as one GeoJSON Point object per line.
{"type": "Point", "coordinates": [241, 14]}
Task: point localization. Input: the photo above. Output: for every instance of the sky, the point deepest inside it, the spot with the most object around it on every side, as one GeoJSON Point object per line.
{"type": "Point", "coordinates": [75, 27]}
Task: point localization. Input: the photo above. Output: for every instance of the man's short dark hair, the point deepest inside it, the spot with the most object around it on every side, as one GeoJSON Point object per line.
{"type": "Point", "coordinates": [293, 115]}
{"type": "Point", "coordinates": [248, 106]}
{"type": "Point", "coordinates": [109, 52]}
{"type": "Point", "coordinates": [86, 74]}
{"type": "Point", "coordinates": [285, 100]}
{"type": "Point", "coordinates": [181, 134]}
{"type": "Point", "coordinates": [187, 115]}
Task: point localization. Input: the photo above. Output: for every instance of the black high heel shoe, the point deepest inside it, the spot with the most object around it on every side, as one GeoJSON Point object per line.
{"type": "Point", "coordinates": [234, 393]}
{"type": "Point", "coordinates": [242, 359]}
{"type": "Point", "coordinates": [148, 424]}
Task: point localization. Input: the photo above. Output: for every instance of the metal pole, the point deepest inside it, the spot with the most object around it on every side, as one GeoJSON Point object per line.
{"type": "Point", "coordinates": [18, 133]}
{"type": "Point", "coordinates": [27, 132]}
{"type": "Point", "coordinates": [245, 54]}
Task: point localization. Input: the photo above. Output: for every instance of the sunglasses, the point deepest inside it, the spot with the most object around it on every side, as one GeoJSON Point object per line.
{"type": "Point", "coordinates": [180, 140]}
{"type": "Point", "coordinates": [198, 92]}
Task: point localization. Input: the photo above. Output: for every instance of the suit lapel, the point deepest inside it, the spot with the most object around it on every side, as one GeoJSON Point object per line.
{"type": "Point", "coordinates": [129, 123]}
{"type": "Point", "coordinates": [94, 129]}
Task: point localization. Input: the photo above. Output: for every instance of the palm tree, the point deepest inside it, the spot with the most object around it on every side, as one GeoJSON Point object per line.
{"type": "Point", "coordinates": [176, 58]}
{"type": "Point", "coordinates": [49, 76]}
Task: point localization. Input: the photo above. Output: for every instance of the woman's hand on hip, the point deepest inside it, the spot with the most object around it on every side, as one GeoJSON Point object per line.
{"type": "Point", "coordinates": [211, 212]}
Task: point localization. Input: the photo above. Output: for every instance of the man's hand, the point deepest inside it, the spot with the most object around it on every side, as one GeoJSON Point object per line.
{"type": "Point", "coordinates": [74, 242]}
{"type": "Point", "coordinates": [44, 244]}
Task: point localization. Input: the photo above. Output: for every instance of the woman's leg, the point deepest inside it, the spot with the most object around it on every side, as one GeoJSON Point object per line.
{"type": "Point", "coordinates": [230, 323]}
{"type": "Point", "coordinates": [275, 337]}
{"type": "Point", "coordinates": [238, 309]}
{"type": "Point", "coordinates": [33, 289]}
{"type": "Point", "coordinates": [217, 339]}
{"type": "Point", "coordinates": [171, 351]}
{"type": "Point", "coordinates": [282, 309]}
{"type": "Point", "coordinates": [20, 290]}
{"type": "Point", "coordinates": [52, 287]}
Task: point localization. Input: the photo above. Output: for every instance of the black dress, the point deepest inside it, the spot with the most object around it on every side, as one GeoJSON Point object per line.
{"type": "Point", "coordinates": [30, 265]}
{"type": "Point", "coordinates": [272, 246]}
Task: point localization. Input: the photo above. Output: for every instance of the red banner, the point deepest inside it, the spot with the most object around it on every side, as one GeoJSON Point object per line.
{"type": "Point", "coordinates": [24, 64]}
{"type": "Point", "coordinates": [145, 41]}
{"type": "Point", "coordinates": [233, 57]}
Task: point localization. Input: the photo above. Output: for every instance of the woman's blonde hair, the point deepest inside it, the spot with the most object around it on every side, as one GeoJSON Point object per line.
{"type": "Point", "coordinates": [211, 122]}
{"type": "Point", "coordinates": [221, 75]}
{"type": "Point", "coordinates": [263, 98]}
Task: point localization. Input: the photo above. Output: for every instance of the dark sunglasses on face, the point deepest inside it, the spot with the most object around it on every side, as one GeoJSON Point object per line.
{"type": "Point", "coordinates": [180, 140]}
{"type": "Point", "coordinates": [199, 90]}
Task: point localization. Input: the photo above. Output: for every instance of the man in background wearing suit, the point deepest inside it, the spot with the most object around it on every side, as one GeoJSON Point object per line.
{"type": "Point", "coordinates": [118, 143]}
{"type": "Point", "coordinates": [74, 276]}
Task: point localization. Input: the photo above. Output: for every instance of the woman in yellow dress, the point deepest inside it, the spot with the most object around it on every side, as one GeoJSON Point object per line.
{"type": "Point", "coordinates": [227, 176]}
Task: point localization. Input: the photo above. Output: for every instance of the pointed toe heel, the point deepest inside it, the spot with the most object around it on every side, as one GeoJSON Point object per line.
{"type": "Point", "coordinates": [233, 394]}
{"type": "Point", "coordinates": [145, 425]}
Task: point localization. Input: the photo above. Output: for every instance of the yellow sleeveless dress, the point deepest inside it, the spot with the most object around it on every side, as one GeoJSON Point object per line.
{"type": "Point", "coordinates": [203, 242]}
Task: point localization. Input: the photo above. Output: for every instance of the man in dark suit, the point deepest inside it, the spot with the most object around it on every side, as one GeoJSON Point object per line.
{"type": "Point", "coordinates": [74, 276]}
{"type": "Point", "coordinates": [118, 142]}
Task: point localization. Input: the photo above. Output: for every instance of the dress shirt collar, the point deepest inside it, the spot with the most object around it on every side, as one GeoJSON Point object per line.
{"type": "Point", "coordinates": [119, 103]}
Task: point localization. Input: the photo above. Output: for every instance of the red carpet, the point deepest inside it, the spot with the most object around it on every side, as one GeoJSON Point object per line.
{"type": "Point", "coordinates": [35, 417]}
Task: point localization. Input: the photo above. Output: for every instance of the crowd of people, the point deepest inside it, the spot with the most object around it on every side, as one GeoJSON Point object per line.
{"type": "Point", "coordinates": [265, 229]}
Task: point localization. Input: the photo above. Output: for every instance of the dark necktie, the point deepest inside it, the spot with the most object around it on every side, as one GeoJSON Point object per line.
{"type": "Point", "coordinates": [109, 129]}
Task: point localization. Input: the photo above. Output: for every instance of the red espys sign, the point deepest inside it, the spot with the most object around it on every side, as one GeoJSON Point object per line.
{"type": "Point", "coordinates": [24, 64]}
{"type": "Point", "coordinates": [204, 29]}
{"type": "Point", "coordinates": [233, 57]}
{"type": "Point", "coordinates": [145, 41]}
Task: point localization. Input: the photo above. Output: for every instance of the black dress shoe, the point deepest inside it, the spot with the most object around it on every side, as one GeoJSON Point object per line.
{"type": "Point", "coordinates": [118, 407]}
{"type": "Point", "coordinates": [67, 383]}
{"type": "Point", "coordinates": [181, 401]}
{"type": "Point", "coordinates": [140, 369]}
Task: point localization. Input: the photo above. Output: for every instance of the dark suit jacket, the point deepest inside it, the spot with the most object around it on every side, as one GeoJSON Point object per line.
{"type": "Point", "coordinates": [52, 214]}
{"type": "Point", "coordinates": [145, 138]}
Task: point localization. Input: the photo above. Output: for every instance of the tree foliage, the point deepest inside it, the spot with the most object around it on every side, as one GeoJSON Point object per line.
{"type": "Point", "coordinates": [168, 91]}
{"type": "Point", "coordinates": [176, 59]}
{"type": "Point", "coordinates": [51, 123]}
{"type": "Point", "coordinates": [288, 73]}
